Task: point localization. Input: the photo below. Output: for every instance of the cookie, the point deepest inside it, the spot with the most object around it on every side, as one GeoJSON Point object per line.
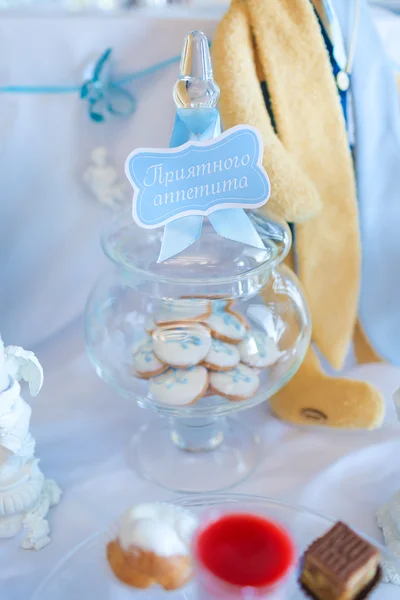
{"type": "Point", "coordinates": [268, 320]}
{"type": "Point", "coordinates": [227, 326]}
{"type": "Point", "coordinates": [179, 387]}
{"type": "Point", "coordinates": [181, 345]}
{"type": "Point", "coordinates": [145, 362]}
{"type": "Point", "coordinates": [222, 356]}
{"type": "Point", "coordinates": [220, 304]}
{"type": "Point", "coordinates": [258, 350]}
{"type": "Point", "coordinates": [239, 384]}
{"type": "Point", "coordinates": [182, 310]}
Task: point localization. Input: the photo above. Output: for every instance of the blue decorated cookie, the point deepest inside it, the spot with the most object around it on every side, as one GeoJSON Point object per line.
{"type": "Point", "coordinates": [258, 350]}
{"type": "Point", "coordinates": [179, 387]}
{"type": "Point", "coordinates": [239, 384]}
{"type": "Point", "coordinates": [222, 356]}
{"type": "Point", "coordinates": [145, 362]}
{"type": "Point", "coordinates": [227, 326]}
{"type": "Point", "coordinates": [219, 304]}
{"type": "Point", "coordinates": [182, 346]}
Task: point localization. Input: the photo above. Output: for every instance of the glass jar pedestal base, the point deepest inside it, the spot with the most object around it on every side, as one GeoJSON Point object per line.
{"type": "Point", "coordinates": [195, 455]}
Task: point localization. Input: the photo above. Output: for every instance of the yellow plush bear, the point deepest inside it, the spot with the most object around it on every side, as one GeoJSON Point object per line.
{"type": "Point", "coordinates": [274, 71]}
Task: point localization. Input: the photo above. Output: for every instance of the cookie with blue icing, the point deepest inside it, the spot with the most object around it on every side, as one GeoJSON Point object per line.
{"type": "Point", "coordinates": [218, 304]}
{"type": "Point", "coordinates": [258, 350]}
{"type": "Point", "coordinates": [226, 325]}
{"type": "Point", "coordinates": [241, 383]}
{"type": "Point", "coordinates": [180, 387]}
{"type": "Point", "coordinates": [222, 356]}
{"type": "Point", "coordinates": [145, 362]}
{"type": "Point", "coordinates": [181, 345]}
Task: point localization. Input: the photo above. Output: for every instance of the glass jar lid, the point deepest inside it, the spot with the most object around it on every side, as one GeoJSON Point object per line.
{"type": "Point", "coordinates": [212, 260]}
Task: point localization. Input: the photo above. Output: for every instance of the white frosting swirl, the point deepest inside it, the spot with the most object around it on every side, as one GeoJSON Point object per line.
{"type": "Point", "coordinates": [164, 529]}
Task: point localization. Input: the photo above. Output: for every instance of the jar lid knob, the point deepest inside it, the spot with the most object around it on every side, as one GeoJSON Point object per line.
{"type": "Point", "coordinates": [196, 87]}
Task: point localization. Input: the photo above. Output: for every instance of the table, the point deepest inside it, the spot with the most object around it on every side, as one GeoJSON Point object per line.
{"type": "Point", "coordinates": [49, 258]}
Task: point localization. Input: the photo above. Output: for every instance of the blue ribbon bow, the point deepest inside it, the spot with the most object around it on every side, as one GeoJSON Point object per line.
{"type": "Point", "coordinates": [103, 95]}
{"type": "Point", "coordinates": [233, 223]}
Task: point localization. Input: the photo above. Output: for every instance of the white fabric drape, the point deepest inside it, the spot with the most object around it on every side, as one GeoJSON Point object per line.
{"type": "Point", "coordinates": [49, 259]}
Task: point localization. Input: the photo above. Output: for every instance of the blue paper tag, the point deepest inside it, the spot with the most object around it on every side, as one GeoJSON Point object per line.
{"type": "Point", "coordinates": [198, 178]}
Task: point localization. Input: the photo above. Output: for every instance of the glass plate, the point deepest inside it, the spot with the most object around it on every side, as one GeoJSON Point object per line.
{"type": "Point", "coordinates": [85, 575]}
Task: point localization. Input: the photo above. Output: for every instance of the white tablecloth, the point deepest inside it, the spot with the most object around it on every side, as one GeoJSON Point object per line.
{"type": "Point", "coordinates": [49, 258]}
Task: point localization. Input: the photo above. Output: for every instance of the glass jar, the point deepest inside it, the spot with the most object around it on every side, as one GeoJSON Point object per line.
{"type": "Point", "coordinates": [220, 295]}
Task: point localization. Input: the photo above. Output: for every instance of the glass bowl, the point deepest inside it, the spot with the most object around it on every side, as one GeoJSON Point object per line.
{"type": "Point", "coordinates": [85, 573]}
{"type": "Point", "coordinates": [217, 294]}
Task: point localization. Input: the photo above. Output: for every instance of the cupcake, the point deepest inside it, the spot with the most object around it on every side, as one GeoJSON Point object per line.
{"type": "Point", "coordinates": [152, 546]}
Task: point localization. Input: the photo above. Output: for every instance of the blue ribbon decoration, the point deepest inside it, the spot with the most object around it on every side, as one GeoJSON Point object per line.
{"type": "Point", "coordinates": [105, 95]}
{"type": "Point", "coordinates": [102, 94]}
{"type": "Point", "coordinates": [190, 124]}
{"type": "Point", "coordinates": [233, 223]}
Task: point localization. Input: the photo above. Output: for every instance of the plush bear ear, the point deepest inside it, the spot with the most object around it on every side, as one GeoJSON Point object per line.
{"type": "Point", "coordinates": [242, 101]}
{"type": "Point", "coordinates": [314, 398]}
{"type": "Point", "coordinates": [310, 165]}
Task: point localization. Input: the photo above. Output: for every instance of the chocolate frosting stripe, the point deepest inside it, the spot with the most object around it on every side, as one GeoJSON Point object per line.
{"type": "Point", "coordinates": [341, 552]}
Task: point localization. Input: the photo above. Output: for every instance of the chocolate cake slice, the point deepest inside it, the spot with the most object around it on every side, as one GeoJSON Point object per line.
{"type": "Point", "coordinates": [340, 566]}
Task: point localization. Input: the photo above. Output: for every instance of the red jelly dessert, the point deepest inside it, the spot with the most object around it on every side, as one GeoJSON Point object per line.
{"type": "Point", "coordinates": [246, 550]}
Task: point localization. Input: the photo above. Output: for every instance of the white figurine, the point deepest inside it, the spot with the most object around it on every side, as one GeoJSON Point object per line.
{"type": "Point", "coordinates": [25, 495]}
{"type": "Point", "coordinates": [102, 179]}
